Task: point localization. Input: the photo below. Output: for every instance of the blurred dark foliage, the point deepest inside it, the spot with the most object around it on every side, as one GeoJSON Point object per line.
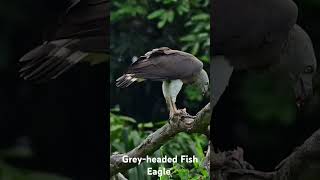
{"type": "Point", "coordinates": [258, 112]}
{"type": "Point", "coordinates": [63, 122]}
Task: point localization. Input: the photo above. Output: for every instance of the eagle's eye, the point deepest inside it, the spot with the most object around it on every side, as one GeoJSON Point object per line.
{"type": "Point", "coordinates": [308, 69]}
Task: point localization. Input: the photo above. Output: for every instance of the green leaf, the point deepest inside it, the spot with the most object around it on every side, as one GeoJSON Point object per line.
{"type": "Point", "coordinates": [145, 125]}
{"type": "Point", "coordinates": [204, 35]}
{"type": "Point", "coordinates": [156, 14]}
{"type": "Point", "coordinates": [187, 38]}
{"type": "Point", "coordinates": [195, 48]}
{"type": "Point", "coordinates": [170, 16]}
{"type": "Point", "coordinates": [202, 16]}
{"type": "Point", "coordinates": [128, 119]}
{"type": "Point", "coordinates": [161, 23]}
{"type": "Point", "coordinates": [135, 136]}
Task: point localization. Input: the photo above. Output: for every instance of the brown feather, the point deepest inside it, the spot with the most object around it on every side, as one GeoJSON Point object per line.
{"type": "Point", "coordinates": [163, 64]}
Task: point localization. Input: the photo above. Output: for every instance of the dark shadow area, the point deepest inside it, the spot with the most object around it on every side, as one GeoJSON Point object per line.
{"type": "Point", "coordinates": [257, 111]}
{"type": "Point", "coordinates": [59, 127]}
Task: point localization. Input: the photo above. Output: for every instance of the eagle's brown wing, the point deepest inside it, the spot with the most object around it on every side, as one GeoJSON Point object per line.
{"type": "Point", "coordinates": [160, 65]}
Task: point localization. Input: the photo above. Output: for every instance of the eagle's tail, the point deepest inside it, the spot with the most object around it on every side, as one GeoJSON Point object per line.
{"type": "Point", "coordinates": [125, 80]}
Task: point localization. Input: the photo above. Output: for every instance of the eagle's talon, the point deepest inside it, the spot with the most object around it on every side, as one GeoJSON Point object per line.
{"type": "Point", "coordinates": [172, 117]}
{"type": "Point", "coordinates": [184, 114]}
{"type": "Point", "coordinates": [176, 115]}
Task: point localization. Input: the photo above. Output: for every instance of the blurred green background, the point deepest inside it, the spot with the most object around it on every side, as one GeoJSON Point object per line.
{"type": "Point", "coordinates": [138, 27]}
{"type": "Point", "coordinates": [258, 112]}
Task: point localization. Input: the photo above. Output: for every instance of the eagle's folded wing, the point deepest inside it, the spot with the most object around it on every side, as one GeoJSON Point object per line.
{"type": "Point", "coordinates": [166, 66]}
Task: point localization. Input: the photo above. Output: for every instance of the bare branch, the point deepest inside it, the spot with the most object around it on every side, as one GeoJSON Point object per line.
{"type": "Point", "coordinates": [154, 141]}
{"type": "Point", "coordinates": [303, 163]}
{"type": "Point", "coordinates": [303, 160]}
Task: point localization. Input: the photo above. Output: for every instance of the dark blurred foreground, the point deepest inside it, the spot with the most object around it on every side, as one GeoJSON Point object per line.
{"type": "Point", "coordinates": [63, 123]}
{"type": "Point", "coordinates": [258, 112]}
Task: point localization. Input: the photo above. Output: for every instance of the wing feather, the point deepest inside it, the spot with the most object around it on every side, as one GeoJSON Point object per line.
{"type": "Point", "coordinates": [45, 61]}
{"type": "Point", "coordinates": [166, 65]}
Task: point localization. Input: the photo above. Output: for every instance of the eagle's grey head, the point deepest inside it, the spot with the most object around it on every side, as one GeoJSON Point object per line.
{"type": "Point", "coordinates": [302, 78]}
{"type": "Point", "coordinates": [300, 62]}
{"type": "Point", "coordinates": [202, 81]}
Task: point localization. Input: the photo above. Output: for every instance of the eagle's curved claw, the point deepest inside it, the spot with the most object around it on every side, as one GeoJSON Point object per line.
{"type": "Point", "coordinates": [185, 114]}
{"type": "Point", "coordinates": [179, 114]}
{"type": "Point", "coordinates": [175, 115]}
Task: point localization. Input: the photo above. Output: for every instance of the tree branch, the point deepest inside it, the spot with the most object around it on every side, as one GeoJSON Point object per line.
{"type": "Point", "coordinates": [303, 163]}
{"type": "Point", "coordinates": [183, 123]}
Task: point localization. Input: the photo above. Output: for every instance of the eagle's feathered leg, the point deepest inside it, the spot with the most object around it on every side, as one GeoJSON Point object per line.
{"type": "Point", "coordinates": [171, 89]}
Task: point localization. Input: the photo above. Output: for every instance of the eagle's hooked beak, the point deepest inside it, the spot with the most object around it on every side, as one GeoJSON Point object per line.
{"type": "Point", "coordinates": [303, 90]}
